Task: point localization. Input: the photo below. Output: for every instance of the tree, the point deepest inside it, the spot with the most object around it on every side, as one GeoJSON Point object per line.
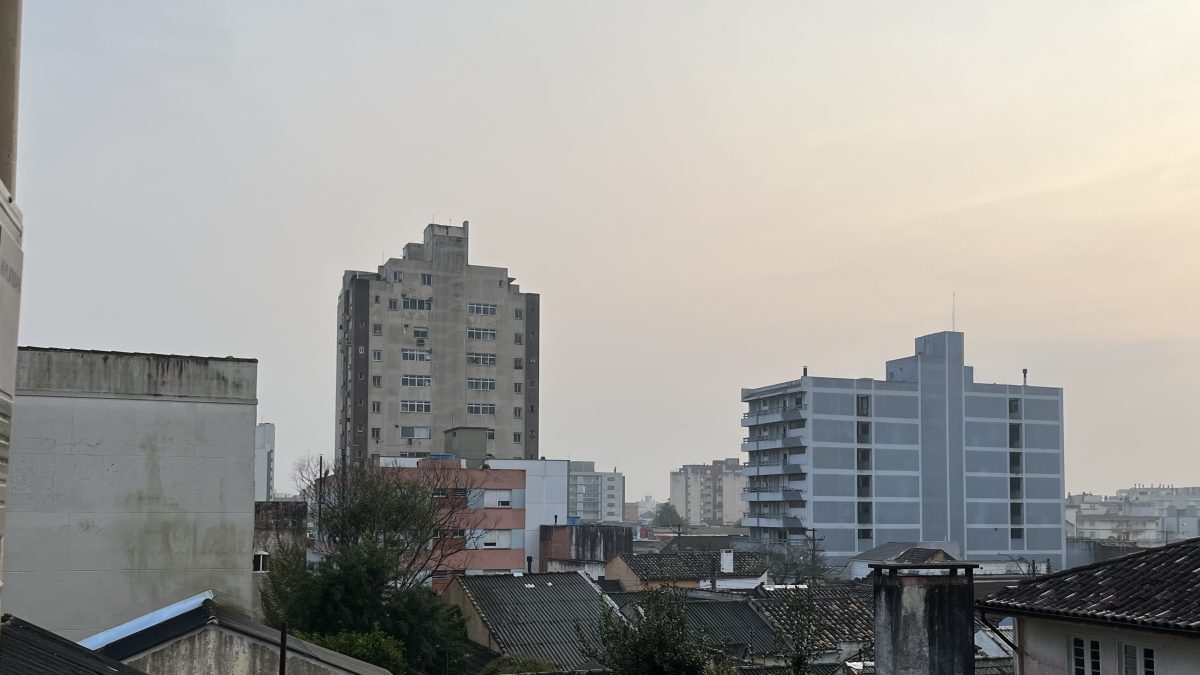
{"type": "Point", "coordinates": [667, 516]}
{"type": "Point", "coordinates": [803, 641]}
{"type": "Point", "coordinates": [793, 563]}
{"type": "Point", "coordinates": [375, 647]}
{"type": "Point", "coordinates": [655, 640]}
{"type": "Point", "coordinates": [381, 536]}
{"type": "Point", "coordinates": [506, 665]}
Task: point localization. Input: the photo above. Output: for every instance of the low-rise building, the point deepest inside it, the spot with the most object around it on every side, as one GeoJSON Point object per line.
{"type": "Point", "coordinates": [583, 548]}
{"type": "Point", "coordinates": [726, 570]}
{"type": "Point", "coordinates": [1136, 614]}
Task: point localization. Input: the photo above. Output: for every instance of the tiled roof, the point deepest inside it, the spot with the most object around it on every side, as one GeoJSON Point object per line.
{"type": "Point", "coordinates": [903, 552]}
{"type": "Point", "coordinates": [916, 556]}
{"type": "Point", "coordinates": [1157, 589]}
{"type": "Point", "coordinates": [29, 650]}
{"type": "Point", "coordinates": [847, 611]}
{"type": "Point", "coordinates": [692, 565]}
{"type": "Point", "coordinates": [534, 614]}
{"type": "Point", "coordinates": [736, 621]}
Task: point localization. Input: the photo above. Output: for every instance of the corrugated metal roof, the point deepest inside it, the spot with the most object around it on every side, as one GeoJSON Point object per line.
{"type": "Point", "coordinates": [535, 614]}
{"type": "Point", "coordinates": [29, 650]}
{"type": "Point", "coordinates": [692, 565]}
{"type": "Point", "coordinates": [736, 622]}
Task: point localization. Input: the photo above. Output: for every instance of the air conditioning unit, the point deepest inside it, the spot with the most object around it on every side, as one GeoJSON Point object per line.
{"type": "Point", "coordinates": [420, 342]}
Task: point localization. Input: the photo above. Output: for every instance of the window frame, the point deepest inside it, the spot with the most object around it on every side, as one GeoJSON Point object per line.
{"type": "Point", "coordinates": [416, 406]}
{"type": "Point", "coordinates": [1092, 659]}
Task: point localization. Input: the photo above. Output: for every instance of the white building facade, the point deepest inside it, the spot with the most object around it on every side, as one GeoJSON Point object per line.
{"type": "Point", "coordinates": [429, 342]}
{"type": "Point", "coordinates": [545, 497]}
{"type": "Point", "coordinates": [595, 496]}
{"type": "Point", "coordinates": [926, 455]}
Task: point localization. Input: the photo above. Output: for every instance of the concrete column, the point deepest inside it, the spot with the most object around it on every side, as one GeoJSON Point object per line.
{"type": "Point", "coordinates": [924, 619]}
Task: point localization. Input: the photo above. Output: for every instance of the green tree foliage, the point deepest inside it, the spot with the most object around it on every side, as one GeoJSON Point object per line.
{"type": "Point", "coordinates": [667, 516]}
{"type": "Point", "coordinates": [374, 647]}
{"type": "Point", "coordinates": [654, 641]}
{"type": "Point", "coordinates": [505, 665]}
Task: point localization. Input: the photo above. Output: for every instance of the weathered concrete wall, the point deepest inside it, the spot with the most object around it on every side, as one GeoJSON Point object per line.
{"type": "Point", "coordinates": [1046, 647]}
{"type": "Point", "coordinates": [212, 651]}
{"type": "Point", "coordinates": [128, 493]}
{"type": "Point", "coordinates": [924, 625]}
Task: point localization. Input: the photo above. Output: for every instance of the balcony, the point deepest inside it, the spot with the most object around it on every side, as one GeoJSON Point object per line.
{"type": "Point", "coordinates": [772, 520]}
{"type": "Point", "coordinates": [773, 494]}
{"type": "Point", "coordinates": [787, 414]}
{"type": "Point", "coordinates": [772, 443]}
{"type": "Point", "coordinates": [777, 467]}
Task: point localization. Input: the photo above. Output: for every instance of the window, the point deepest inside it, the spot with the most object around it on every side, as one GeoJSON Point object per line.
{"type": "Point", "coordinates": [416, 355]}
{"type": "Point", "coordinates": [1016, 512]}
{"type": "Point", "coordinates": [516, 437]}
{"type": "Point", "coordinates": [362, 349]}
{"type": "Point", "coordinates": [1014, 488]}
{"type": "Point", "coordinates": [481, 309]}
{"type": "Point", "coordinates": [414, 432]}
{"type": "Point", "coordinates": [864, 513]}
{"type": "Point", "coordinates": [865, 533]}
{"type": "Point", "coordinates": [426, 279]}
{"type": "Point", "coordinates": [262, 560]}
{"type": "Point", "coordinates": [480, 359]}
{"type": "Point", "coordinates": [1014, 408]}
{"type": "Point", "coordinates": [416, 380]}
{"type": "Point", "coordinates": [491, 434]}
{"type": "Point", "coordinates": [376, 432]}
{"type": "Point", "coordinates": [359, 429]}
{"type": "Point", "coordinates": [864, 432]}
{"type": "Point", "coordinates": [864, 486]}
{"type": "Point", "coordinates": [416, 406]}
{"type": "Point", "coordinates": [362, 376]}
{"type": "Point", "coordinates": [517, 412]}
{"type": "Point", "coordinates": [420, 332]}
{"type": "Point", "coordinates": [397, 277]}
{"type": "Point", "coordinates": [376, 381]}
{"type": "Point", "coordinates": [864, 405]}
{"type": "Point", "coordinates": [376, 407]}
{"type": "Point", "coordinates": [376, 355]}
{"type": "Point", "coordinates": [1014, 462]}
{"type": "Point", "coordinates": [519, 314]}
{"type": "Point", "coordinates": [864, 459]}
{"type": "Point", "coordinates": [497, 499]}
{"type": "Point", "coordinates": [481, 408]}
{"type": "Point", "coordinates": [377, 299]}
{"type": "Point", "coordinates": [1014, 435]}
{"type": "Point", "coordinates": [518, 363]}
{"type": "Point", "coordinates": [518, 387]}
{"type": "Point", "coordinates": [481, 383]}
{"type": "Point", "coordinates": [1017, 533]}
{"type": "Point", "coordinates": [481, 333]}
{"type": "Point", "coordinates": [393, 304]}
{"type": "Point", "coordinates": [1085, 657]}
{"type": "Point", "coordinates": [418, 303]}
{"type": "Point", "coordinates": [1131, 664]}
{"type": "Point", "coordinates": [377, 329]}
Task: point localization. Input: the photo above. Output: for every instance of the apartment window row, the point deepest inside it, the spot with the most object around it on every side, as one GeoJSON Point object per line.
{"type": "Point", "coordinates": [416, 380]}
{"type": "Point", "coordinates": [416, 355]}
{"type": "Point", "coordinates": [481, 383]}
{"type": "Point", "coordinates": [414, 432]}
{"type": "Point", "coordinates": [481, 309]}
{"type": "Point", "coordinates": [481, 408]}
{"type": "Point", "coordinates": [420, 332]}
{"type": "Point", "coordinates": [480, 359]}
{"type": "Point", "coordinates": [416, 406]}
{"type": "Point", "coordinates": [481, 333]}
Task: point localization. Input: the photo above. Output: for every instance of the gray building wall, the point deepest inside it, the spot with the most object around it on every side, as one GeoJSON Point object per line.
{"type": "Point", "coordinates": [264, 461]}
{"type": "Point", "coordinates": [133, 485]}
{"type": "Point", "coordinates": [400, 414]}
{"type": "Point", "coordinates": [930, 455]}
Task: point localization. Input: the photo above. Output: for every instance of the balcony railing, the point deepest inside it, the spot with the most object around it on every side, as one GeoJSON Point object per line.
{"type": "Point", "coordinates": [770, 415]}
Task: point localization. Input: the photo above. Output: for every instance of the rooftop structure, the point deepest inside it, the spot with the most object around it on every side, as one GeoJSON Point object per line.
{"type": "Point", "coordinates": [722, 569]}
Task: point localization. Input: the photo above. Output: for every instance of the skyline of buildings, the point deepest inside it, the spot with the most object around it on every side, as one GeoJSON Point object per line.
{"type": "Point", "coordinates": [926, 455]}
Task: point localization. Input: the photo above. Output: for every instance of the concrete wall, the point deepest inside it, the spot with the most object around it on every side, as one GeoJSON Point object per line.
{"type": "Point", "coordinates": [924, 625]}
{"type": "Point", "coordinates": [1046, 647]}
{"type": "Point", "coordinates": [212, 651]}
{"type": "Point", "coordinates": [133, 486]}
{"type": "Point", "coordinates": [10, 305]}
{"type": "Point", "coordinates": [545, 497]}
{"type": "Point", "coordinates": [264, 461]}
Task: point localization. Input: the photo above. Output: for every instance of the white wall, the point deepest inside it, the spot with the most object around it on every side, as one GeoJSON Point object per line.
{"type": "Point", "coordinates": [264, 461]}
{"type": "Point", "coordinates": [545, 497]}
{"type": "Point", "coordinates": [1046, 647]}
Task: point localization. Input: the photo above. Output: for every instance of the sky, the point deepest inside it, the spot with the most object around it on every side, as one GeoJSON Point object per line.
{"type": "Point", "coordinates": [708, 196]}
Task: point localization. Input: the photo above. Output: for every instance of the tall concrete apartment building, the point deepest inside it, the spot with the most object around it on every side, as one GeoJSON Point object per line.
{"type": "Point", "coordinates": [10, 239]}
{"type": "Point", "coordinates": [926, 455]}
{"type": "Point", "coordinates": [595, 496]}
{"type": "Point", "coordinates": [428, 343]}
{"type": "Point", "coordinates": [709, 494]}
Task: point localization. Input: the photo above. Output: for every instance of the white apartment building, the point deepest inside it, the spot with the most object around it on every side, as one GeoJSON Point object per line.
{"type": "Point", "coordinates": [264, 462]}
{"type": "Point", "coordinates": [709, 494]}
{"type": "Point", "coordinates": [429, 342]}
{"type": "Point", "coordinates": [545, 498]}
{"type": "Point", "coordinates": [595, 496]}
{"type": "Point", "coordinates": [928, 454]}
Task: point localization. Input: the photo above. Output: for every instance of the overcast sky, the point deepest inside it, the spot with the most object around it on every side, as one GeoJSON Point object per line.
{"type": "Point", "coordinates": [707, 196]}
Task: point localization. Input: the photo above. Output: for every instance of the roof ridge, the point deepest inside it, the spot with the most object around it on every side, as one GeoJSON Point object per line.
{"type": "Point", "coordinates": [1101, 563]}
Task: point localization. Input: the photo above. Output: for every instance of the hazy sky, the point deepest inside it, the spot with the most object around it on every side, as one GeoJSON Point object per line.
{"type": "Point", "coordinates": [707, 196]}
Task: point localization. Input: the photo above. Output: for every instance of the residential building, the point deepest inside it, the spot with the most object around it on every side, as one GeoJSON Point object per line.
{"type": "Point", "coordinates": [264, 461]}
{"type": "Point", "coordinates": [1143, 515]}
{"type": "Point", "coordinates": [723, 570]}
{"type": "Point", "coordinates": [595, 496]}
{"type": "Point", "coordinates": [195, 636]}
{"type": "Point", "coordinates": [531, 615]}
{"type": "Point", "coordinates": [132, 485]}
{"type": "Point", "coordinates": [928, 454]}
{"type": "Point", "coordinates": [429, 342]}
{"type": "Point", "coordinates": [1135, 614]}
{"type": "Point", "coordinates": [11, 234]}
{"type": "Point", "coordinates": [583, 548]}
{"type": "Point", "coordinates": [545, 499]}
{"type": "Point", "coordinates": [709, 494]}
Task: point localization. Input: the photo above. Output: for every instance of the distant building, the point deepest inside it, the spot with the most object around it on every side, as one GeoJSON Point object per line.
{"type": "Point", "coordinates": [582, 548]}
{"type": "Point", "coordinates": [1135, 614]}
{"type": "Point", "coordinates": [709, 494]}
{"type": "Point", "coordinates": [133, 485]}
{"type": "Point", "coordinates": [928, 454]}
{"type": "Point", "coordinates": [1143, 515]}
{"type": "Point", "coordinates": [630, 513]}
{"type": "Point", "coordinates": [595, 496]}
{"type": "Point", "coordinates": [545, 498]}
{"type": "Point", "coordinates": [264, 461]}
{"type": "Point", "coordinates": [429, 342]}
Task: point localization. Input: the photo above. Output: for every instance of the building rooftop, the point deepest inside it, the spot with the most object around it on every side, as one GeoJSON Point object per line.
{"type": "Point", "coordinates": [735, 621]}
{"type": "Point", "coordinates": [535, 614]}
{"type": "Point", "coordinates": [105, 352]}
{"type": "Point", "coordinates": [29, 650]}
{"type": "Point", "coordinates": [1154, 589]}
{"type": "Point", "coordinates": [692, 565]}
{"type": "Point", "coordinates": [903, 552]}
{"type": "Point", "coordinates": [847, 611]}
